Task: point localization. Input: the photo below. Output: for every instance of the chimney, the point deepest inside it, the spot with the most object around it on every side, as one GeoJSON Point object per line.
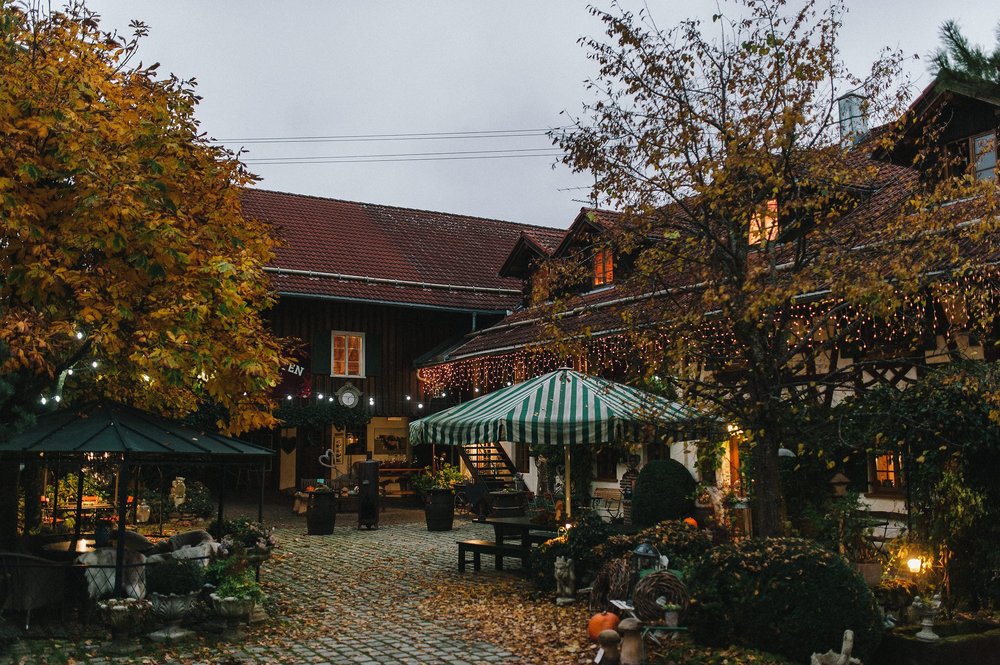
{"type": "Point", "coordinates": [853, 121]}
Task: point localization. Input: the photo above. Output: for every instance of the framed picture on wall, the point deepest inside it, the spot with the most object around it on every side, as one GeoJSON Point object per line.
{"type": "Point", "coordinates": [390, 444]}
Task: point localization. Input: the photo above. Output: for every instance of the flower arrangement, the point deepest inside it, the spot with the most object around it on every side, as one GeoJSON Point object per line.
{"type": "Point", "coordinates": [445, 476]}
{"type": "Point", "coordinates": [245, 536]}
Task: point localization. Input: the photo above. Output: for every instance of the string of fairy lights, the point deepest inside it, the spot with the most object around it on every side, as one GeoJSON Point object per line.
{"type": "Point", "coordinates": [959, 304]}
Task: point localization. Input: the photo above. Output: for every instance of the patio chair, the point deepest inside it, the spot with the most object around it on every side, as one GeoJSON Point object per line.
{"type": "Point", "coordinates": [30, 582]}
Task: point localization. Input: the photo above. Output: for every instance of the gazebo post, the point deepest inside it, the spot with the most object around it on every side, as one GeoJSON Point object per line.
{"type": "Point", "coordinates": [260, 496]}
{"type": "Point", "coordinates": [222, 500]}
{"type": "Point", "coordinates": [55, 494]}
{"type": "Point", "coordinates": [566, 483]}
{"type": "Point", "coordinates": [79, 508]}
{"type": "Point", "coordinates": [120, 544]}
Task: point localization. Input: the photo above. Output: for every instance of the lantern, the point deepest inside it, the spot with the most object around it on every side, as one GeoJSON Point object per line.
{"type": "Point", "coordinates": [838, 484]}
{"type": "Point", "coordinates": [645, 558]}
{"type": "Point", "coordinates": [142, 512]}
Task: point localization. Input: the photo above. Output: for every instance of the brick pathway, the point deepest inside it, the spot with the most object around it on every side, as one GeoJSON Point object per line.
{"type": "Point", "coordinates": [351, 597]}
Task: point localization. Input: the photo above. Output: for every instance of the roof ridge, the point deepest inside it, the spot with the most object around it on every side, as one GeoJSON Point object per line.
{"type": "Point", "coordinates": [396, 207]}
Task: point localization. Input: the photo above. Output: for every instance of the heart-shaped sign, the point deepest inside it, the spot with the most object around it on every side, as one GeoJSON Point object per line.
{"type": "Point", "coordinates": [324, 459]}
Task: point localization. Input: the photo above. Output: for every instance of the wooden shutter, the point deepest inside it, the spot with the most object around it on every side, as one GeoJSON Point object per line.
{"type": "Point", "coordinates": [321, 354]}
{"type": "Point", "coordinates": [373, 355]}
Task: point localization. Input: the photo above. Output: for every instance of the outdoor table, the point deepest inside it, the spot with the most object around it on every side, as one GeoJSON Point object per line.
{"type": "Point", "coordinates": [516, 529]}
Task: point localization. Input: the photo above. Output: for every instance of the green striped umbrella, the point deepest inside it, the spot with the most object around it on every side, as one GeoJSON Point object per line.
{"type": "Point", "coordinates": [564, 408]}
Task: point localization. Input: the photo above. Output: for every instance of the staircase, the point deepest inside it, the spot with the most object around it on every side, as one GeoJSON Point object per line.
{"type": "Point", "coordinates": [489, 463]}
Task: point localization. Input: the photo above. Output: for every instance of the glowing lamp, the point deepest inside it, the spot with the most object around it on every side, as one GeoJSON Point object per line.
{"type": "Point", "coordinates": [915, 565]}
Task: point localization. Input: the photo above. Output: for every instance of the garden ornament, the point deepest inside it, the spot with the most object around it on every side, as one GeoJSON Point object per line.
{"type": "Point", "coordinates": [178, 491]}
{"type": "Point", "coordinates": [632, 652]}
{"type": "Point", "coordinates": [609, 653]}
{"type": "Point", "coordinates": [927, 610]}
{"type": "Point", "coordinates": [842, 658]}
{"type": "Point", "coordinates": [565, 581]}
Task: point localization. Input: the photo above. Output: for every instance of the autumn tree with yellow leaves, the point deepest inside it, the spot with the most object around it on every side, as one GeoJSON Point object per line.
{"type": "Point", "coordinates": [771, 255]}
{"type": "Point", "coordinates": [126, 266]}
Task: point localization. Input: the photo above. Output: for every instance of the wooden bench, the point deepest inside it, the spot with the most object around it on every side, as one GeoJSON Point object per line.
{"type": "Point", "coordinates": [607, 500]}
{"type": "Point", "coordinates": [499, 551]}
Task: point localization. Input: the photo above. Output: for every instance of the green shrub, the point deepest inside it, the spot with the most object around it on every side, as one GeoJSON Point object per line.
{"type": "Point", "coordinates": [785, 595]}
{"type": "Point", "coordinates": [198, 500]}
{"type": "Point", "coordinates": [580, 543]}
{"type": "Point", "coordinates": [682, 543]}
{"type": "Point", "coordinates": [664, 490]}
{"type": "Point", "coordinates": [174, 576]}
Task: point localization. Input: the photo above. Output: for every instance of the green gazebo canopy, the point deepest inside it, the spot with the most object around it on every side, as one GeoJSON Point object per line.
{"type": "Point", "coordinates": [122, 431]}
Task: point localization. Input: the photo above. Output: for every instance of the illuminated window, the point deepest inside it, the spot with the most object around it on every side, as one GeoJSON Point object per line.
{"type": "Point", "coordinates": [604, 267]}
{"type": "Point", "coordinates": [764, 224]}
{"type": "Point", "coordinates": [984, 154]}
{"type": "Point", "coordinates": [887, 474]}
{"type": "Point", "coordinates": [348, 354]}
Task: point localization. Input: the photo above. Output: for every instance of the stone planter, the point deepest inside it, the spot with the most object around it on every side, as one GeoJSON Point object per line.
{"type": "Point", "coordinates": [508, 504]}
{"type": "Point", "coordinates": [233, 611]}
{"type": "Point", "coordinates": [122, 617]}
{"type": "Point", "coordinates": [172, 608]}
{"type": "Point", "coordinates": [440, 509]}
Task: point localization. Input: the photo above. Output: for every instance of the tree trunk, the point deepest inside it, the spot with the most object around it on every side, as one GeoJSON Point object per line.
{"type": "Point", "coordinates": [767, 513]}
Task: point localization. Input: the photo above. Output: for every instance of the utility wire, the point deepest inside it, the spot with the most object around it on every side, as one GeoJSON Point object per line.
{"type": "Point", "coordinates": [511, 151]}
{"type": "Point", "coordinates": [377, 158]}
{"type": "Point", "coordinates": [419, 136]}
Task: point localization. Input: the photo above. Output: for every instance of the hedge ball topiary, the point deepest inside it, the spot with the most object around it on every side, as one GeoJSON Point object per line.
{"type": "Point", "coordinates": [785, 595]}
{"type": "Point", "coordinates": [664, 490]}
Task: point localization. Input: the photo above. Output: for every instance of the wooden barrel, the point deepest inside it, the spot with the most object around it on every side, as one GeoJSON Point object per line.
{"type": "Point", "coordinates": [440, 509]}
{"type": "Point", "coordinates": [322, 513]}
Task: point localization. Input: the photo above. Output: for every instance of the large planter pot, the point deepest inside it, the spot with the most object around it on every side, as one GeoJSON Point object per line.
{"type": "Point", "coordinates": [122, 617]}
{"type": "Point", "coordinates": [322, 513]}
{"type": "Point", "coordinates": [233, 611]}
{"type": "Point", "coordinates": [440, 509]}
{"type": "Point", "coordinates": [508, 504]}
{"type": "Point", "coordinates": [172, 608]}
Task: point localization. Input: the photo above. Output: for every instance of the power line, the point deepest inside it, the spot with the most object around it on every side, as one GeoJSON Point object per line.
{"type": "Point", "coordinates": [511, 151]}
{"type": "Point", "coordinates": [377, 158]}
{"type": "Point", "coordinates": [416, 136]}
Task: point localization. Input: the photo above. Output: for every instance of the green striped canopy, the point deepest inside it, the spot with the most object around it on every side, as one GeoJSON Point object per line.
{"type": "Point", "coordinates": [562, 408]}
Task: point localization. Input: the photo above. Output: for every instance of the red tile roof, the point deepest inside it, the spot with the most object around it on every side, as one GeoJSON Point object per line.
{"type": "Point", "coordinates": [360, 251]}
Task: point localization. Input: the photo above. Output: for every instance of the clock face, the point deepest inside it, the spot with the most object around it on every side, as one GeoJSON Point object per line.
{"type": "Point", "coordinates": [347, 398]}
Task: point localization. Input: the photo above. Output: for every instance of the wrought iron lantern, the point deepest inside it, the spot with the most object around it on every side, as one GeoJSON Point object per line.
{"type": "Point", "coordinates": [645, 557]}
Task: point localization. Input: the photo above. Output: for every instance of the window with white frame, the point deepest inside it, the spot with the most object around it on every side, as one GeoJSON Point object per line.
{"type": "Point", "coordinates": [348, 354]}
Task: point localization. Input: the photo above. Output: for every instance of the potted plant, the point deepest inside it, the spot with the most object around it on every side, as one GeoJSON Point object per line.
{"type": "Point", "coordinates": [437, 487]}
{"type": "Point", "coordinates": [173, 587]}
{"type": "Point", "coordinates": [246, 538]}
{"type": "Point", "coordinates": [508, 502]}
{"type": "Point", "coordinates": [234, 598]}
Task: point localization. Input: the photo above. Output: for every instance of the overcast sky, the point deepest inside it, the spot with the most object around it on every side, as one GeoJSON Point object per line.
{"type": "Point", "coordinates": [362, 67]}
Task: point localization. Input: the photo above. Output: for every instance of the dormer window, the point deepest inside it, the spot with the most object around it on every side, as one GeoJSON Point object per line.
{"type": "Point", "coordinates": [984, 151]}
{"type": "Point", "coordinates": [604, 267]}
{"type": "Point", "coordinates": [764, 224]}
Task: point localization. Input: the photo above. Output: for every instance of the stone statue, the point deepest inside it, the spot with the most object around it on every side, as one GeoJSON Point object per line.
{"type": "Point", "coordinates": [565, 581]}
{"type": "Point", "coordinates": [842, 658]}
{"type": "Point", "coordinates": [178, 491]}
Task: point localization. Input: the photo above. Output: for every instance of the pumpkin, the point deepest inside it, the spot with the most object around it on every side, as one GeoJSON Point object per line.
{"type": "Point", "coordinates": [310, 489]}
{"type": "Point", "coordinates": [601, 621]}
{"type": "Point", "coordinates": [692, 521]}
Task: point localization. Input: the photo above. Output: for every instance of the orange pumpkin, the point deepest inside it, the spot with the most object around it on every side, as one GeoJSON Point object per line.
{"type": "Point", "coordinates": [692, 521]}
{"type": "Point", "coordinates": [310, 489]}
{"type": "Point", "coordinates": [601, 621]}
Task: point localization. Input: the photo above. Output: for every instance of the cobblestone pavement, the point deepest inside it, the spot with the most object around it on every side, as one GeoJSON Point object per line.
{"type": "Point", "coordinates": [350, 597]}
